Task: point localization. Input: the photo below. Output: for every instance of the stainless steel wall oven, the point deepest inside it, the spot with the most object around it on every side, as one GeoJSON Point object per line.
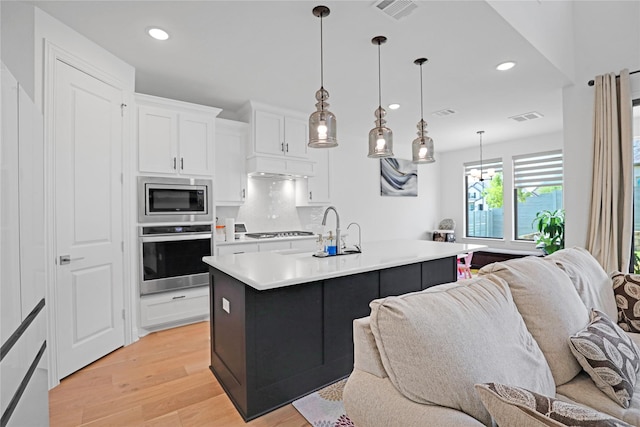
{"type": "Point", "coordinates": [171, 257]}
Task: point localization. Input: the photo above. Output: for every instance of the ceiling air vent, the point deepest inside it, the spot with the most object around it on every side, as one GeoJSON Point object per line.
{"type": "Point", "coordinates": [397, 9]}
{"type": "Point", "coordinates": [526, 116]}
{"type": "Point", "coordinates": [444, 113]}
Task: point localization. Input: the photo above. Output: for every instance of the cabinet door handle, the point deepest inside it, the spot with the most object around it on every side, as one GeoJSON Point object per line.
{"type": "Point", "coordinates": [282, 147]}
{"type": "Point", "coordinates": [287, 145]}
{"type": "Point", "coordinates": [174, 163]}
{"type": "Point", "coordinates": [310, 195]}
{"type": "Point", "coordinates": [180, 297]}
{"type": "Point", "coordinates": [244, 194]}
{"type": "Point", "coordinates": [236, 253]}
{"type": "Point", "coordinates": [181, 163]}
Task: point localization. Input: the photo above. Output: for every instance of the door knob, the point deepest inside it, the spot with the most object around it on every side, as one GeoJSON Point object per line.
{"type": "Point", "coordinates": [66, 259]}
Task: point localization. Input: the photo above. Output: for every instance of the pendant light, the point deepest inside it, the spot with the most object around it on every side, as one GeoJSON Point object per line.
{"type": "Point", "coordinates": [322, 122]}
{"type": "Point", "coordinates": [380, 137]}
{"type": "Point", "coordinates": [479, 175]}
{"type": "Point", "coordinates": [422, 146]}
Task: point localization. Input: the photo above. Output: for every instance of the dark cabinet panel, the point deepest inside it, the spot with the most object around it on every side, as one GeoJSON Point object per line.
{"type": "Point", "coordinates": [400, 280]}
{"type": "Point", "coordinates": [288, 332]}
{"type": "Point", "coordinates": [346, 298]}
{"type": "Point", "coordinates": [439, 271]}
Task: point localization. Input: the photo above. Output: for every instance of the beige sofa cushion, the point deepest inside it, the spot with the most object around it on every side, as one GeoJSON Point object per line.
{"type": "Point", "coordinates": [550, 307]}
{"type": "Point", "coordinates": [584, 391]}
{"type": "Point", "coordinates": [592, 283]}
{"type": "Point", "coordinates": [515, 406]}
{"type": "Point", "coordinates": [436, 344]}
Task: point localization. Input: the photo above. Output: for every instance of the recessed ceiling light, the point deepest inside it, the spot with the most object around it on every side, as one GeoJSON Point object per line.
{"type": "Point", "coordinates": [394, 106]}
{"type": "Point", "coordinates": [505, 66]}
{"type": "Point", "coordinates": [158, 33]}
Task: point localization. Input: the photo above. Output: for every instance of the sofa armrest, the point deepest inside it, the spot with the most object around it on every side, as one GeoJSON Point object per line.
{"type": "Point", "coordinates": [366, 356]}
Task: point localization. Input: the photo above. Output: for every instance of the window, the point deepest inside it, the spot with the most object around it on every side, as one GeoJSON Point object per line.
{"type": "Point", "coordinates": [484, 197]}
{"type": "Point", "coordinates": [537, 186]}
{"type": "Point", "coordinates": [636, 185]}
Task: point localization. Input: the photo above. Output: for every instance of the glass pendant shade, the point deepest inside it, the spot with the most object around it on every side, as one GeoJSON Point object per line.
{"type": "Point", "coordinates": [422, 146]}
{"type": "Point", "coordinates": [380, 137]}
{"type": "Point", "coordinates": [322, 123]}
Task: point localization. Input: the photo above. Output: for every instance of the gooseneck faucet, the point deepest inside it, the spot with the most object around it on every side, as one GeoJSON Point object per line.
{"type": "Point", "coordinates": [324, 222]}
{"type": "Point", "coordinates": [359, 245]}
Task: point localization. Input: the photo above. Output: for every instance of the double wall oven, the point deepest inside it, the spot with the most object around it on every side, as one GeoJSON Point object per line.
{"type": "Point", "coordinates": [175, 233]}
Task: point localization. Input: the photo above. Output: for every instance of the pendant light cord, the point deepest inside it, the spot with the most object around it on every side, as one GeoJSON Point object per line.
{"type": "Point", "coordinates": [421, 106]}
{"type": "Point", "coordinates": [379, 79]}
{"type": "Point", "coordinates": [481, 132]}
{"type": "Point", "coordinates": [321, 57]}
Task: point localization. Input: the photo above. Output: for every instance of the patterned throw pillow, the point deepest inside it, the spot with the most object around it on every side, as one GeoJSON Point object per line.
{"type": "Point", "coordinates": [515, 406]}
{"type": "Point", "coordinates": [609, 356]}
{"type": "Point", "coordinates": [626, 288]}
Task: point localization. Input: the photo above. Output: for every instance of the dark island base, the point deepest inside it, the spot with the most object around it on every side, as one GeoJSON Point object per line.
{"type": "Point", "coordinates": [272, 347]}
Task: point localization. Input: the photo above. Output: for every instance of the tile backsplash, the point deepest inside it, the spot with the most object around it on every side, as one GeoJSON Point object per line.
{"type": "Point", "coordinates": [270, 205]}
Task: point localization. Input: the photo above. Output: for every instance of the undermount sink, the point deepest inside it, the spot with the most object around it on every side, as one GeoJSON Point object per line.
{"type": "Point", "coordinates": [344, 252]}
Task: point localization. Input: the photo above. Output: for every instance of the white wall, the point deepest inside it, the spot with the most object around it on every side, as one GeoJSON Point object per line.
{"type": "Point", "coordinates": [607, 39]}
{"type": "Point", "coordinates": [18, 27]}
{"type": "Point", "coordinates": [355, 181]}
{"type": "Point", "coordinates": [452, 203]}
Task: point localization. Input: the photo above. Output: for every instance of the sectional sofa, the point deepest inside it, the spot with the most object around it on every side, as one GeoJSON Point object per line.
{"type": "Point", "coordinates": [528, 342]}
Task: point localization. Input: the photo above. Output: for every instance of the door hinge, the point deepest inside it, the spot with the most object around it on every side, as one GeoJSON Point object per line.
{"type": "Point", "coordinates": [122, 107]}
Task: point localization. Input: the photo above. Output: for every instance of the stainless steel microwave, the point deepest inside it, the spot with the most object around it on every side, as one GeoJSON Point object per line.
{"type": "Point", "coordinates": [175, 200]}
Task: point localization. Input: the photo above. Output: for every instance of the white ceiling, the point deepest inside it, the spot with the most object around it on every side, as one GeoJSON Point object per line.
{"type": "Point", "coordinates": [224, 53]}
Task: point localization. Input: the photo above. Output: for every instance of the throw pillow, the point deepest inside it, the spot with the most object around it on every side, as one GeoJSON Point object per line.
{"type": "Point", "coordinates": [626, 288]}
{"type": "Point", "coordinates": [609, 356]}
{"type": "Point", "coordinates": [515, 406]}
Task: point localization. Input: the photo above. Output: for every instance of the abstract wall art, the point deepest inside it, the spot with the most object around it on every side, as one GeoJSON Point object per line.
{"type": "Point", "coordinates": [398, 177]}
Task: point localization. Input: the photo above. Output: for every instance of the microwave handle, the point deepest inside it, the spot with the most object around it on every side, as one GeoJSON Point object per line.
{"type": "Point", "coordinates": [175, 237]}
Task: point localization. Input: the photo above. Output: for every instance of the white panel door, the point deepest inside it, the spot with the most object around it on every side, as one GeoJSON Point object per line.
{"type": "Point", "coordinates": [230, 170]}
{"type": "Point", "coordinates": [296, 134]}
{"type": "Point", "coordinates": [88, 199]}
{"type": "Point", "coordinates": [268, 133]}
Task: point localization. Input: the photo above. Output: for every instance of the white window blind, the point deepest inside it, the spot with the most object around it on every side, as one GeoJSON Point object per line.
{"type": "Point", "coordinates": [538, 170]}
{"type": "Point", "coordinates": [495, 164]}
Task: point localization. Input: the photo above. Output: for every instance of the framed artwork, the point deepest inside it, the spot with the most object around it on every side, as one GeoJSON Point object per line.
{"type": "Point", "coordinates": [398, 177]}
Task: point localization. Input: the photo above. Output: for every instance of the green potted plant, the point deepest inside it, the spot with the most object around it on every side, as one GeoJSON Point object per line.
{"type": "Point", "coordinates": [549, 228]}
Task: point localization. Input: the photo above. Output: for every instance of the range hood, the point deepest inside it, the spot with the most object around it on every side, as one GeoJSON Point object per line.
{"type": "Point", "coordinates": [279, 168]}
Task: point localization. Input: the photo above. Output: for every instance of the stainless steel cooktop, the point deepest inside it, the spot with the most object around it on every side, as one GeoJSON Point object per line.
{"type": "Point", "coordinates": [274, 234]}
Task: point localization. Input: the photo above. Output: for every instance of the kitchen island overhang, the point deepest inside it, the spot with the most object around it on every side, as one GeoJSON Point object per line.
{"type": "Point", "coordinates": [281, 322]}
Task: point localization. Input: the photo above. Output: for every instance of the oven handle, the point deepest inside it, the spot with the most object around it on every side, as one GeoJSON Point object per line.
{"type": "Point", "coordinates": [175, 238]}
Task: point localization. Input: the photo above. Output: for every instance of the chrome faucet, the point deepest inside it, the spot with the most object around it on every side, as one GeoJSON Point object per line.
{"type": "Point", "coordinates": [359, 245]}
{"type": "Point", "coordinates": [324, 222]}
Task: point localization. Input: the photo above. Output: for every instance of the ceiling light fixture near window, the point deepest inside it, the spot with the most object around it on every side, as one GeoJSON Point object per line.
{"type": "Point", "coordinates": [505, 66]}
{"type": "Point", "coordinates": [394, 106]}
{"type": "Point", "coordinates": [157, 33]}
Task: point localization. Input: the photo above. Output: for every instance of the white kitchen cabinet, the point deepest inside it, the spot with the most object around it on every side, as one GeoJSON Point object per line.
{"type": "Point", "coordinates": [276, 131]}
{"type": "Point", "coordinates": [237, 248]}
{"type": "Point", "coordinates": [174, 137]}
{"type": "Point", "coordinates": [315, 189]}
{"type": "Point", "coordinates": [230, 171]}
{"type": "Point", "coordinates": [274, 245]}
{"type": "Point", "coordinates": [172, 307]}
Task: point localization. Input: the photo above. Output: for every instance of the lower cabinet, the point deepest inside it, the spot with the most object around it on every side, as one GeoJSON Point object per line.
{"type": "Point", "coordinates": [176, 306]}
{"type": "Point", "coordinates": [266, 246]}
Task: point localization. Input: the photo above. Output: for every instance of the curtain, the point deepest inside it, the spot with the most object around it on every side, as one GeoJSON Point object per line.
{"type": "Point", "coordinates": [611, 215]}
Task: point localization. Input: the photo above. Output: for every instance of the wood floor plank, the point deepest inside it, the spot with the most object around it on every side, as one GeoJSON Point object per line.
{"type": "Point", "coordinates": [160, 381]}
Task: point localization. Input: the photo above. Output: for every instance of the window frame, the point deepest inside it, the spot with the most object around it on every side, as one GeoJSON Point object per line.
{"type": "Point", "coordinates": [498, 165]}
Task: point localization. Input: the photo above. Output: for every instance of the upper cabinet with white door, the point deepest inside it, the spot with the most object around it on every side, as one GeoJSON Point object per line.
{"type": "Point", "coordinates": [174, 137]}
{"type": "Point", "coordinates": [316, 189]}
{"type": "Point", "coordinates": [276, 131]}
{"type": "Point", "coordinates": [230, 172]}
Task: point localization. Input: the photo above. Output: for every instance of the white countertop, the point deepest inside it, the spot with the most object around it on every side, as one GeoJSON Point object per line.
{"type": "Point", "coordinates": [271, 239]}
{"type": "Point", "coordinates": [270, 270]}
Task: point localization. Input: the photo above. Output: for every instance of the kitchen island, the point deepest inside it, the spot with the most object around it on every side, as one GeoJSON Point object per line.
{"type": "Point", "coordinates": [281, 322]}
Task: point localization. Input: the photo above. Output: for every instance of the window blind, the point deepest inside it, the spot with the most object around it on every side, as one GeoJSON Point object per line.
{"type": "Point", "coordinates": [495, 164]}
{"type": "Point", "coordinates": [538, 170]}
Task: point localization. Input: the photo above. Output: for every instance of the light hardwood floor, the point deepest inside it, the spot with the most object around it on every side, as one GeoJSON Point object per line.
{"type": "Point", "coordinates": [161, 380]}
